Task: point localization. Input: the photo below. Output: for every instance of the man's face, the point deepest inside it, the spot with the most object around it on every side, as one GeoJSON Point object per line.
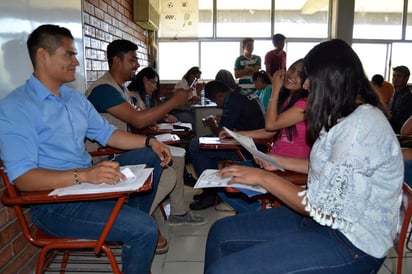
{"type": "Point", "coordinates": [61, 65]}
{"type": "Point", "coordinates": [399, 80]}
{"type": "Point", "coordinates": [248, 47]}
{"type": "Point", "coordinates": [128, 65]}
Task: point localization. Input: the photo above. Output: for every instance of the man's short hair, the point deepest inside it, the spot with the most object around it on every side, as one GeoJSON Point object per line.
{"type": "Point", "coordinates": [119, 48]}
{"type": "Point", "coordinates": [246, 40]}
{"type": "Point", "coordinates": [377, 79]}
{"type": "Point", "coordinates": [278, 37]}
{"type": "Point", "coordinates": [48, 37]}
{"type": "Point", "coordinates": [214, 87]}
{"type": "Point", "coordinates": [403, 70]}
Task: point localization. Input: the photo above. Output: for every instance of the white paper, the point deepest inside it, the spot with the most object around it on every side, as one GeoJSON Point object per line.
{"type": "Point", "coordinates": [250, 146]}
{"type": "Point", "coordinates": [167, 137]}
{"type": "Point", "coordinates": [211, 178]}
{"type": "Point", "coordinates": [169, 126]}
{"type": "Point", "coordinates": [177, 151]}
{"type": "Point", "coordinates": [217, 141]}
{"type": "Point", "coordinates": [136, 177]}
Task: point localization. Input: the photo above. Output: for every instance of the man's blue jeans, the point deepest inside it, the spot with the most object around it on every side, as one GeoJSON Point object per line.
{"type": "Point", "coordinates": [279, 240]}
{"type": "Point", "coordinates": [134, 227]}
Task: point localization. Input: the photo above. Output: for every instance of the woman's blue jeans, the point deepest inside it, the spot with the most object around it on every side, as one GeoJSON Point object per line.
{"type": "Point", "coordinates": [134, 227]}
{"type": "Point", "coordinates": [281, 241]}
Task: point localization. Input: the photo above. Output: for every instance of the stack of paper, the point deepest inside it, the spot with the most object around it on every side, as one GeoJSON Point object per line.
{"type": "Point", "coordinates": [136, 177]}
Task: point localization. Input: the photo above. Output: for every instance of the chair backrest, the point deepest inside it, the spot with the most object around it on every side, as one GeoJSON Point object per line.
{"type": "Point", "coordinates": [406, 214]}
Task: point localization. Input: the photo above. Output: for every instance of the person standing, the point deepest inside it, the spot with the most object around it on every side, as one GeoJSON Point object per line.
{"type": "Point", "coordinates": [247, 64]}
{"type": "Point", "coordinates": [276, 58]}
{"type": "Point", "coordinates": [43, 125]}
{"type": "Point", "coordinates": [400, 105]}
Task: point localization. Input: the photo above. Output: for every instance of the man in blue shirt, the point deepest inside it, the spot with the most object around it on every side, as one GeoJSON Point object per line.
{"type": "Point", "coordinates": [43, 125]}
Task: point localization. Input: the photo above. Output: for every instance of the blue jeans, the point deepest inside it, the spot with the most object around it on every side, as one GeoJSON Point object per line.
{"type": "Point", "coordinates": [280, 241]}
{"type": "Point", "coordinates": [134, 227]}
{"type": "Point", "coordinates": [237, 201]}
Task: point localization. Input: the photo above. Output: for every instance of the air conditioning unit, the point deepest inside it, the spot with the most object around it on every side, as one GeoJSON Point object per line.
{"type": "Point", "coordinates": [146, 14]}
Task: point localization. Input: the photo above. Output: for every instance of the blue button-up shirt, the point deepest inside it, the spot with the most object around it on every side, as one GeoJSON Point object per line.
{"type": "Point", "coordinates": [40, 129]}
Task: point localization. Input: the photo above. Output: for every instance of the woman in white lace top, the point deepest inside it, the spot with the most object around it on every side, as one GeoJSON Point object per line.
{"type": "Point", "coordinates": [346, 219]}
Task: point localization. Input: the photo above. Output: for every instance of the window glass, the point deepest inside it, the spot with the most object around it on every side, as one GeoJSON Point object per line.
{"type": "Point", "coordinates": [408, 35]}
{"type": "Point", "coordinates": [217, 55]}
{"type": "Point", "coordinates": [401, 56]}
{"type": "Point", "coordinates": [297, 50]}
{"type": "Point", "coordinates": [373, 58]}
{"type": "Point", "coordinates": [175, 58]}
{"type": "Point", "coordinates": [378, 19]}
{"type": "Point", "coordinates": [243, 18]}
{"type": "Point", "coordinates": [302, 18]}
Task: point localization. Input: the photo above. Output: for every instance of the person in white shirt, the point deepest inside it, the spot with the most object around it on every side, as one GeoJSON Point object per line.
{"type": "Point", "coordinates": [347, 218]}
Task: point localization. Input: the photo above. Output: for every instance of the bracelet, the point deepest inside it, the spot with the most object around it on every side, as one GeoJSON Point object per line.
{"type": "Point", "coordinates": [148, 138]}
{"type": "Point", "coordinates": [76, 179]}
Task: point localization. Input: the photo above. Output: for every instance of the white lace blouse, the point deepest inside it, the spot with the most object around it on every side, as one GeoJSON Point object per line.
{"type": "Point", "coordinates": [355, 176]}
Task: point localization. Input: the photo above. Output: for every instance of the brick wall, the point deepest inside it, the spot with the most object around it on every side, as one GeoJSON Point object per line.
{"type": "Point", "coordinates": [104, 21]}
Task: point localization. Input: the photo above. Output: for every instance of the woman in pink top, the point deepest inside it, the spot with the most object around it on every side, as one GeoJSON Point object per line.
{"type": "Point", "coordinates": [285, 122]}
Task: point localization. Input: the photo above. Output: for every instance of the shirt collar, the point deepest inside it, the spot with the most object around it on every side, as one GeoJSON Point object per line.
{"type": "Point", "coordinates": [41, 92]}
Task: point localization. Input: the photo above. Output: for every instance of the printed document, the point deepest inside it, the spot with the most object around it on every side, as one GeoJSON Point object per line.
{"type": "Point", "coordinates": [211, 178]}
{"type": "Point", "coordinates": [136, 176]}
{"type": "Point", "coordinates": [250, 146]}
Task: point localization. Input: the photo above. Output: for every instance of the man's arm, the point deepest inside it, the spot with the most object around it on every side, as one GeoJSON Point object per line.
{"type": "Point", "coordinates": [127, 141]}
{"type": "Point", "coordinates": [146, 117]}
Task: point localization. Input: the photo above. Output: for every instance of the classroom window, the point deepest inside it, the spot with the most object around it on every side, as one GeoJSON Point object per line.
{"type": "Point", "coordinates": [243, 18]}
{"type": "Point", "coordinates": [378, 19]}
{"type": "Point", "coordinates": [302, 18]}
{"type": "Point", "coordinates": [176, 58]}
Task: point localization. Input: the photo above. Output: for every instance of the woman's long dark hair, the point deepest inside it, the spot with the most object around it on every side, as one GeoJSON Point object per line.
{"type": "Point", "coordinates": [337, 86]}
{"type": "Point", "coordinates": [284, 95]}
{"type": "Point", "coordinates": [137, 83]}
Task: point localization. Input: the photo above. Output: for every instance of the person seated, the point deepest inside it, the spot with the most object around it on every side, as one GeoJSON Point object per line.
{"type": "Point", "coordinates": [346, 220]}
{"type": "Point", "coordinates": [242, 110]}
{"type": "Point", "coordinates": [383, 88]}
{"type": "Point", "coordinates": [285, 122]}
{"type": "Point", "coordinates": [43, 125]}
{"type": "Point", "coordinates": [185, 113]}
{"type": "Point", "coordinates": [112, 99]}
{"type": "Point", "coordinates": [263, 85]}
{"type": "Point", "coordinates": [401, 101]}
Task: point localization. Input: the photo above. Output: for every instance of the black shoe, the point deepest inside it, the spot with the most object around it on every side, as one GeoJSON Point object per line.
{"type": "Point", "coordinates": [189, 180]}
{"type": "Point", "coordinates": [200, 196]}
{"type": "Point", "coordinates": [203, 203]}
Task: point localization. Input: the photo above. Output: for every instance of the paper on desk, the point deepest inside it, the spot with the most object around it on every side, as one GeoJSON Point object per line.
{"type": "Point", "coordinates": [216, 141]}
{"type": "Point", "coordinates": [177, 151]}
{"type": "Point", "coordinates": [167, 137]}
{"type": "Point", "coordinates": [211, 178]}
{"type": "Point", "coordinates": [136, 177]}
{"type": "Point", "coordinates": [172, 126]}
{"type": "Point", "coordinates": [250, 146]}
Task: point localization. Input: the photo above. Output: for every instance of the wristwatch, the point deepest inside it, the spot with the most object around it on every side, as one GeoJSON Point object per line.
{"type": "Point", "coordinates": [148, 138]}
